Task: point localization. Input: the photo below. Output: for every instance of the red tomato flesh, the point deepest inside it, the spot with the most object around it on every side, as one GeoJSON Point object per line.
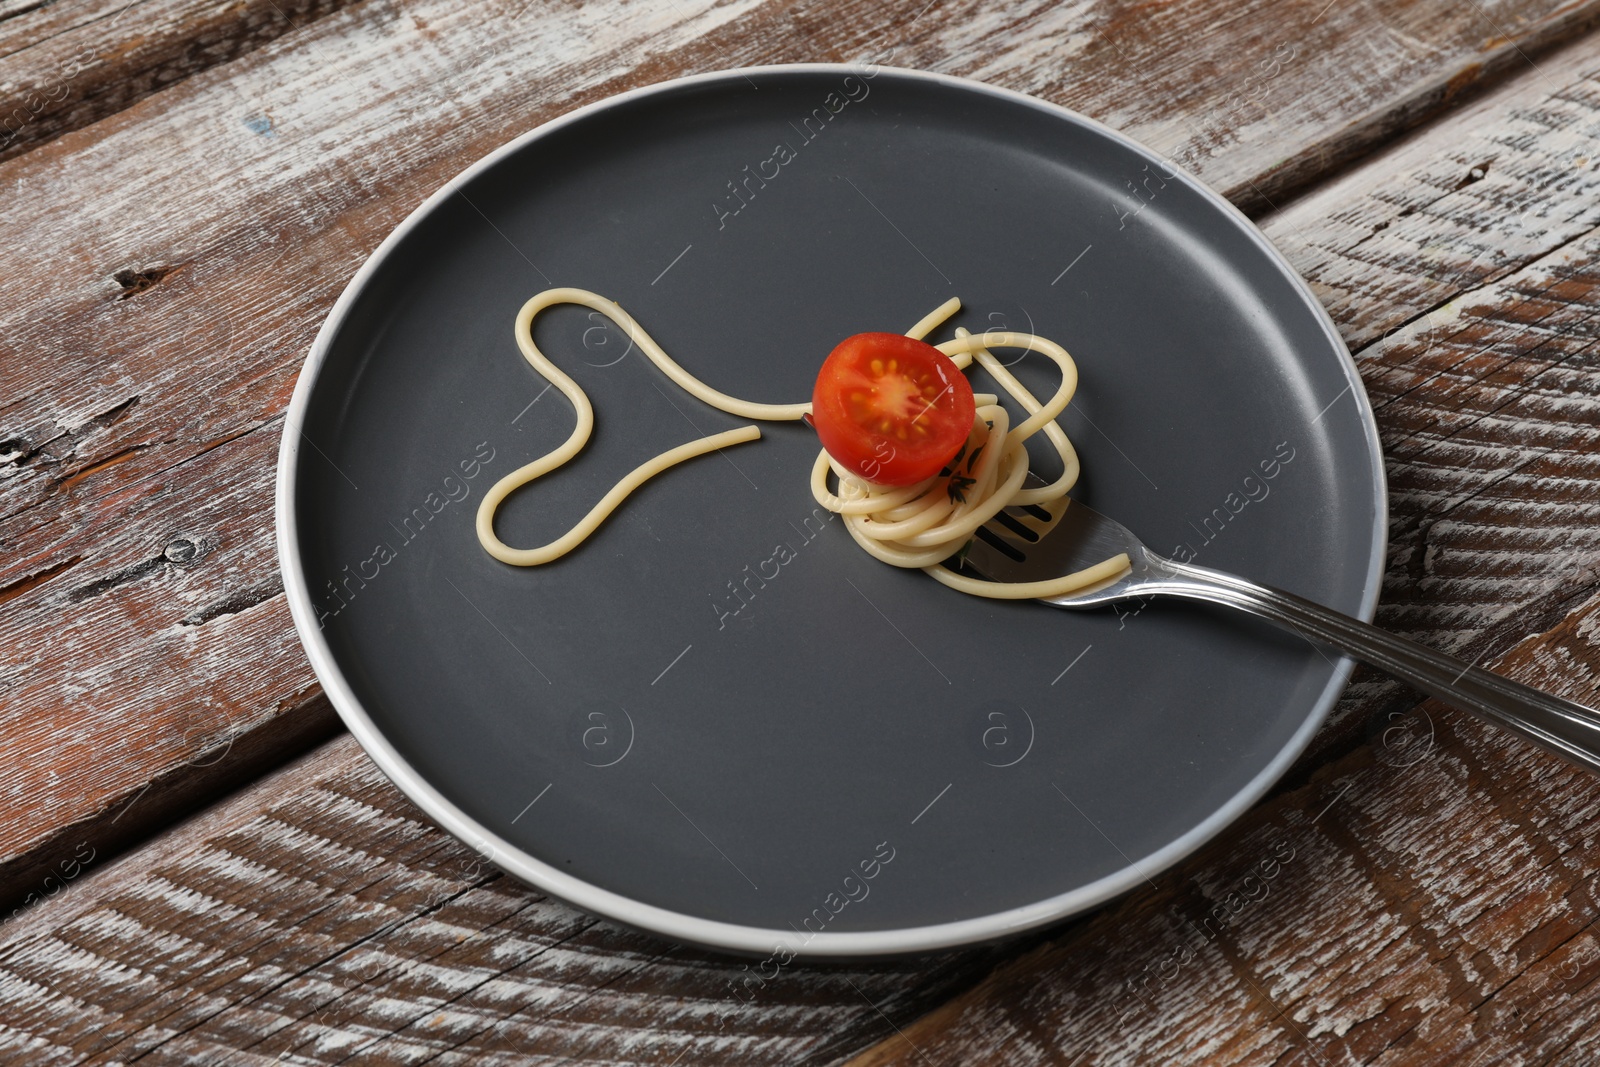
{"type": "Point", "coordinates": [890, 408]}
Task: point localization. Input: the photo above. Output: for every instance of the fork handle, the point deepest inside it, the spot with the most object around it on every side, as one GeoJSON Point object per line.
{"type": "Point", "coordinates": [1561, 726]}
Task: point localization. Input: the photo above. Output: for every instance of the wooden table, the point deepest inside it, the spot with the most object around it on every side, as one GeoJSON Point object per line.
{"type": "Point", "coordinates": [206, 870]}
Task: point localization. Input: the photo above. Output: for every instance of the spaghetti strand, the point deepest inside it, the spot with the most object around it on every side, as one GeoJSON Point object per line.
{"type": "Point", "coordinates": [920, 525]}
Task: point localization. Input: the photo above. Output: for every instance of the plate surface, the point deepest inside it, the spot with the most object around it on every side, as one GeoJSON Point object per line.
{"type": "Point", "coordinates": [720, 720]}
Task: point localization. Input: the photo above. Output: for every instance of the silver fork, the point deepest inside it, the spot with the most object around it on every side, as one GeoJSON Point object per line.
{"type": "Point", "coordinates": [1026, 544]}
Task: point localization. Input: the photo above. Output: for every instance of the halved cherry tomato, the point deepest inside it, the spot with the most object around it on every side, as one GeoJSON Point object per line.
{"type": "Point", "coordinates": [892, 409]}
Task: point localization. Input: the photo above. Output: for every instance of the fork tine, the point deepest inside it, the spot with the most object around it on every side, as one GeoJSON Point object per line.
{"type": "Point", "coordinates": [1024, 515]}
{"type": "Point", "coordinates": [999, 551]}
{"type": "Point", "coordinates": [996, 559]}
{"type": "Point", "coordinates": [1019, 547]}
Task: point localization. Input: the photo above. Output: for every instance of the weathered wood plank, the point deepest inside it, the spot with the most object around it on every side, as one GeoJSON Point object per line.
{"type": "Point", "coordinates": [1429, 898]}
{"type": "Point", "coordinates": [319, 917]}
{"type": "Point", "coordinates": [1443, 910]}
{"type": "Point", "coordinates": [27, 22]}
{"type": "Point", "coordinates": [209, 227]}
{"type": "Point", "coordinates": [66, 65]}
{"type": "Point", "coordinates": [1459, 268]}
{"type": "Point", "coordinates": [1237, 117]}
{"type": "Point", "coordinates": [135, 510]}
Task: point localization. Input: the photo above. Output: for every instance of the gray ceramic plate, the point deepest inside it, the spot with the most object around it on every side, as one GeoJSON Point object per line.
{"type": "Point", "coordinates": [719, 720]}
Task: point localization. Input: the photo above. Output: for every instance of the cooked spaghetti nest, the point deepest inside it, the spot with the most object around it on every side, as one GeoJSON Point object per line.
{"type": "Point", "coordinates": [918, 525]}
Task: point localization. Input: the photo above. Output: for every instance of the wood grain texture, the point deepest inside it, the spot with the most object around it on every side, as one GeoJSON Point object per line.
{"type": "Point", "coordinates": [319, 918]}
{"type": "Point", "coordinates": [177, 281]}
{"type": "Point", "coordinates": [206, 232]}
{"type": "Point", "coordinates": [68, 64]}
{"type": "Point", "coordinates": [1459, 267]}
{"type": "Point", "coordinates": [1443, 910]}
{"type": "Point", "coordinates": [1425, 898]}
{"type": "Point", "coordinates": [1430, 898]}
